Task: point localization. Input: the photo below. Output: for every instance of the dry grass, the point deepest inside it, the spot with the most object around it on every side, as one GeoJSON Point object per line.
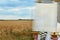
{"type": "Point", "coordinates": [15, 30]}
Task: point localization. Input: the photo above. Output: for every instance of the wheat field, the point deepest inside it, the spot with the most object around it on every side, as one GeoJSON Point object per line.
{"type": "Point", "coordinates": [15, 29]}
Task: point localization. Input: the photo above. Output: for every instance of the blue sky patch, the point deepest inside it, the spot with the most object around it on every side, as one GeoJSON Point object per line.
{"type": "Point", "coordinates": [16, 9]}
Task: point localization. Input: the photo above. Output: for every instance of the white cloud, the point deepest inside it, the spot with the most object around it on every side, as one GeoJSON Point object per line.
{"type": "Point", "coordinates": [1, 9]}
{"type": "Point", "coordinates": [16, 10]}
{"type": "Point", "coordinates": [8, 17]}
{"type": "Point", "coordinates": [33, 7]}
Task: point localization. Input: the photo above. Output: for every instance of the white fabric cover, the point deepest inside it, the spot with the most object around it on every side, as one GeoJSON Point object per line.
{"type": "Point", "coordinates": [45, 18]}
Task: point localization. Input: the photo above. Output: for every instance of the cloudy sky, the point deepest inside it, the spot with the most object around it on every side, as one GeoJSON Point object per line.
{"type": "Point", "coordinates": [16, 9]}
